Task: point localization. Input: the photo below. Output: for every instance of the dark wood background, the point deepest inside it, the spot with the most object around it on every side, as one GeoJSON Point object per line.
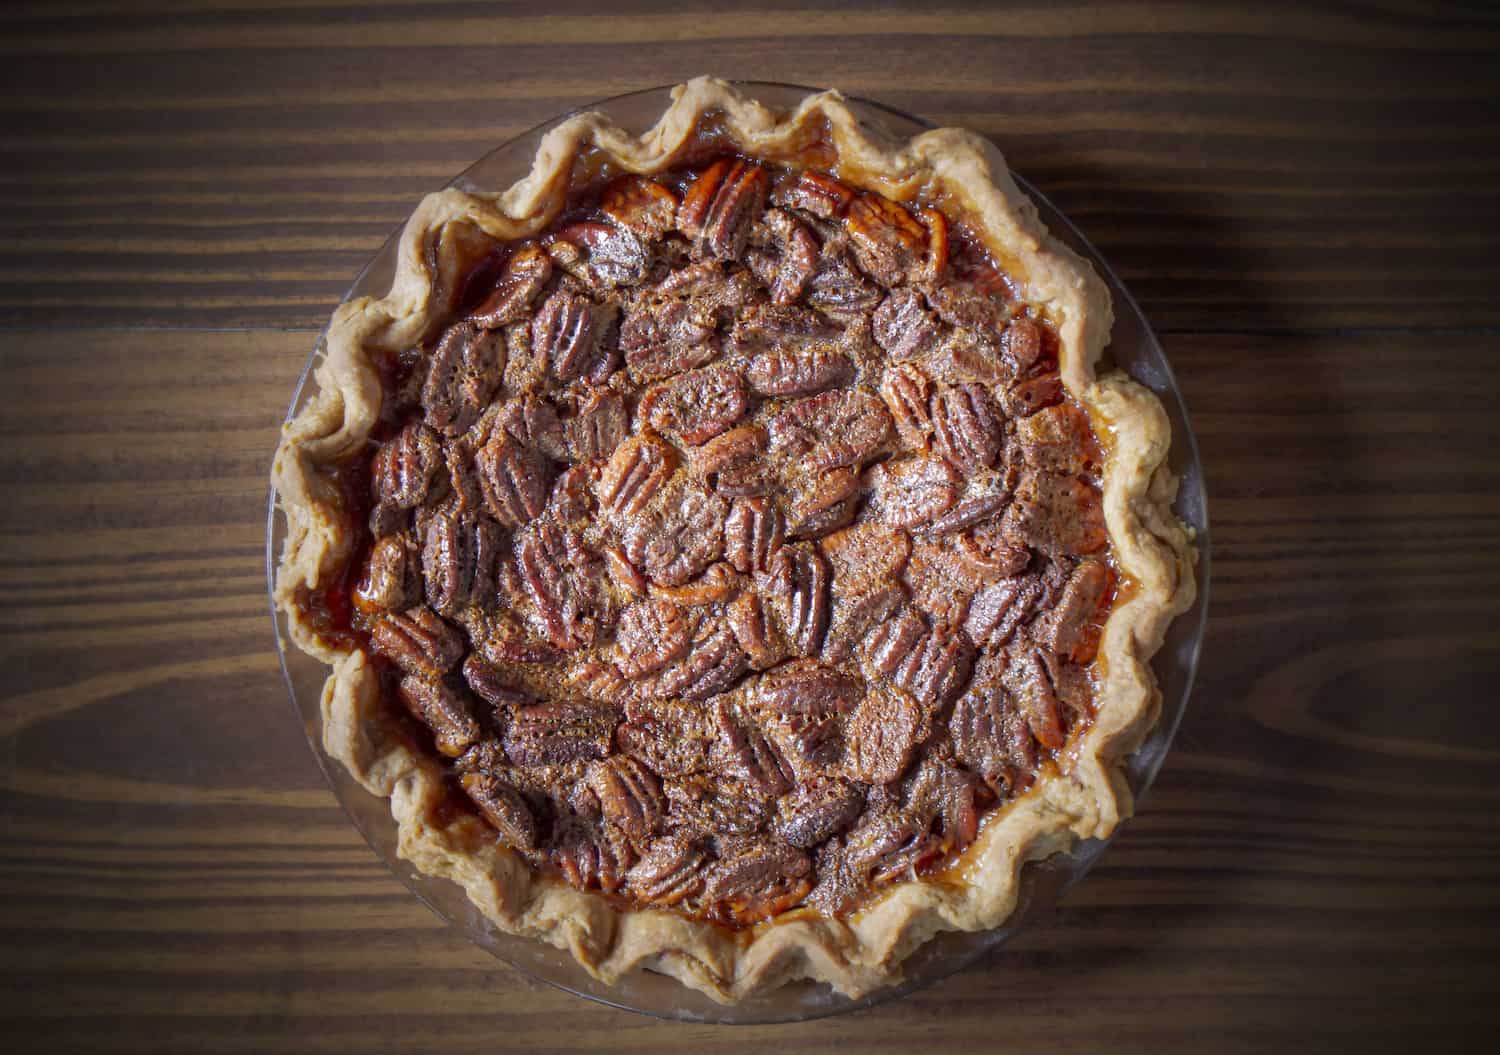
{"type": "Point", "coordinates": [1306, 198]}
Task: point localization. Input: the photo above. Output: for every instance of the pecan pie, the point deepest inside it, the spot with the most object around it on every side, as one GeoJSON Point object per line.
{"type": "Point", "coordinates": [728, 558]}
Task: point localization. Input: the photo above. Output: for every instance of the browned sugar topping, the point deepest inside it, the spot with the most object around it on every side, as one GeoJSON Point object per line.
{"type": "Point", "coordinates": [740, 547]}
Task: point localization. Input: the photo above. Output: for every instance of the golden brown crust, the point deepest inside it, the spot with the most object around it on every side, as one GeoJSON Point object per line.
{"type": "Point", "coordinates": [1087, 798]}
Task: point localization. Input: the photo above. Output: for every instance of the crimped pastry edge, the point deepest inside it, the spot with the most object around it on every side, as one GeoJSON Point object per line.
{"type": "Point", "coordinates": [1087, 798]}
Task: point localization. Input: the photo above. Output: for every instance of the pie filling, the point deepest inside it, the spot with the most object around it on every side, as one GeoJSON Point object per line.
{"type": "Point", "coordinates": [738, 548]}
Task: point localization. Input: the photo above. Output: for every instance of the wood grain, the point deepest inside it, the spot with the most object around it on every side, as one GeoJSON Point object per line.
{"type": "Point", "coordinates": [1318, 867]}
{"type": "Point", "coordinates": [1281, 167]}
{"type": "Point", "coordinates": [1303, 196]}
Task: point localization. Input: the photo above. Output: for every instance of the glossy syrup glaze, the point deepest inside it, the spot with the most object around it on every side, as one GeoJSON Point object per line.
{"type": "Point", "coordinates": [736, 542]}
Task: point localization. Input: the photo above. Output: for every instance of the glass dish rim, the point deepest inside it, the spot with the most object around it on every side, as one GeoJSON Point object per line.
{"type": "Point", "coordinates": [1078, 861]}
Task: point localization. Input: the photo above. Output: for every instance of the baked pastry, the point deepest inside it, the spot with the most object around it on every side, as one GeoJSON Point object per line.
{"type": "Point", "coordinates": [728, 559]}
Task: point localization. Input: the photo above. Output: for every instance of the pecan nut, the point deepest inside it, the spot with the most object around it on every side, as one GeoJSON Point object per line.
{"type": "Point", "coordinates": [569, 333]}
{"type": "Point", "coordinates": [1022, 341]}
{"type": "Point", "coordinates": [903, 326]}
{"type": "Point", "coordinates": [911, 492]}
{"type": "Point", "coordinates": [459, 555]}
{"type": "Point", "coordinates": [679, 537]}
{"type": "Point", "coordinates": [672, 737]}
{"type": "Point", "coordinates": [931, 665]}
{"type": "Point", "coordinates": [813, 192]}
{"type": "Point", "coordinates": [1065, 629]}
{"type": "Point", "coordinates": [1058, 515]}
{"type": "Point", "coordinates": [1056, 438]}
{"type": "Point", "coordinates": [798, 373]}
{"type": "Point", "coordinates": [463, 375]}
{"type": "Point", "coordinates": [1030, 685]}
{"type": "Point", "coordinates": [629, 795]}
{"type": "Point", "coordinates": [526, 271]}
{"type": "Point", "coordinates": [746, 619]}
{"type": "Point", "coordinates": [586, 859]}
{"type": "Point", "coordinates": [530, 421]}
{"type": "Point", "coordinates": [513, 480]}
{"type": "Point", "coordinates": [967, 426]}
{"type": "Point", "coordinates": [817, 812]}
{"type": "Point", "coordinates": [601, 256]}
{"type": "Point", "coordinates": [892, 244]}
{"type": "Point", "coordinates": [418, 641]}
{"type": "Point", "coordinates": [550, 734]}
{"type": "Point", "coordinates": [721, 204]}
{"type": "Point", "coordinates": [838, 286]}
{"type": "Point", "coordinates": [391, 579]}
{"type": "Point", "coordinates": [403, 471]}
{"type": "Point", "coordinates": [1029, 396]}
{"type": "Point", "coordinates": [730, 450]}
{"type": "Point", "coordinates": [823, 503]}
{"type": "Point", "coordinates": [443, 710]}
{"type": "Point", "coordinates": [650, 635]}
{"type": "Point", "coordinates": [752, 756]}
{"type": "Point", "coordinates": [796, 260]}
{"type": "Point", "coordinates": [670, 871]}
{"type": "Point", "coordinates": [993, 739]}
{"type": "Point", "coordinates": [882, 736]}
{"type": "Point", "coordinates": [601, 425]}
{"type": "Point", "coordinates": [492, 686]}
{"type": "Point", "coordinates": [805, 687]}
{"type": "Point", "coordinates": [830, 430]}
{"type": "Point", "coordinates": [698, 405]}
{"type": "Point", "coordinates": [753, 533]}
{"type": "Point", "coordinates": [505, 809]}
{"type": "Point", "coordinates": [644, 206]}
{"type": "Point", "coordinates": [988, 554]}
{"type": "Point", "coordinates": [717, 806]}
{"type": "Point", "coordinates": [866, 556]}
{"type": "Point", "coordinates": [756, 878]}
{"type": "Point", "coordinates": [907, 393]}
{"type": "Point", "coordinates": [713, 663]}
{"type": "Point", "coordinates": [634, 474]}
{"type": "Point", "coordinates": [967, 513]}
{"type": "Point", "coordinates": [561, 578]}
{"type": "Point", "coordinates": [777, 326]}
{"type": "Point", "coordinates": [798, 583]}
{"type": "Point", "coordinates": [998, 609]}
{"type": "Point", "coordinates": [855, 615]}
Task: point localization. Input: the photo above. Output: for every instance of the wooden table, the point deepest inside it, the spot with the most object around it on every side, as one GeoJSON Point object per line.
{"type": "Point", "coordinates": [1304, 196]}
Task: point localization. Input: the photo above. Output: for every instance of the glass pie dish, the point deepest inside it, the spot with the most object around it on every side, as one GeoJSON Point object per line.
{"type": "Point", "coordinates": [1133, 348]}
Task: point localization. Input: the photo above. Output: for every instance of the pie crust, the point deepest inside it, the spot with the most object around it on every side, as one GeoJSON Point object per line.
{"type": "Point", "coordinates": [1086, 798]}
